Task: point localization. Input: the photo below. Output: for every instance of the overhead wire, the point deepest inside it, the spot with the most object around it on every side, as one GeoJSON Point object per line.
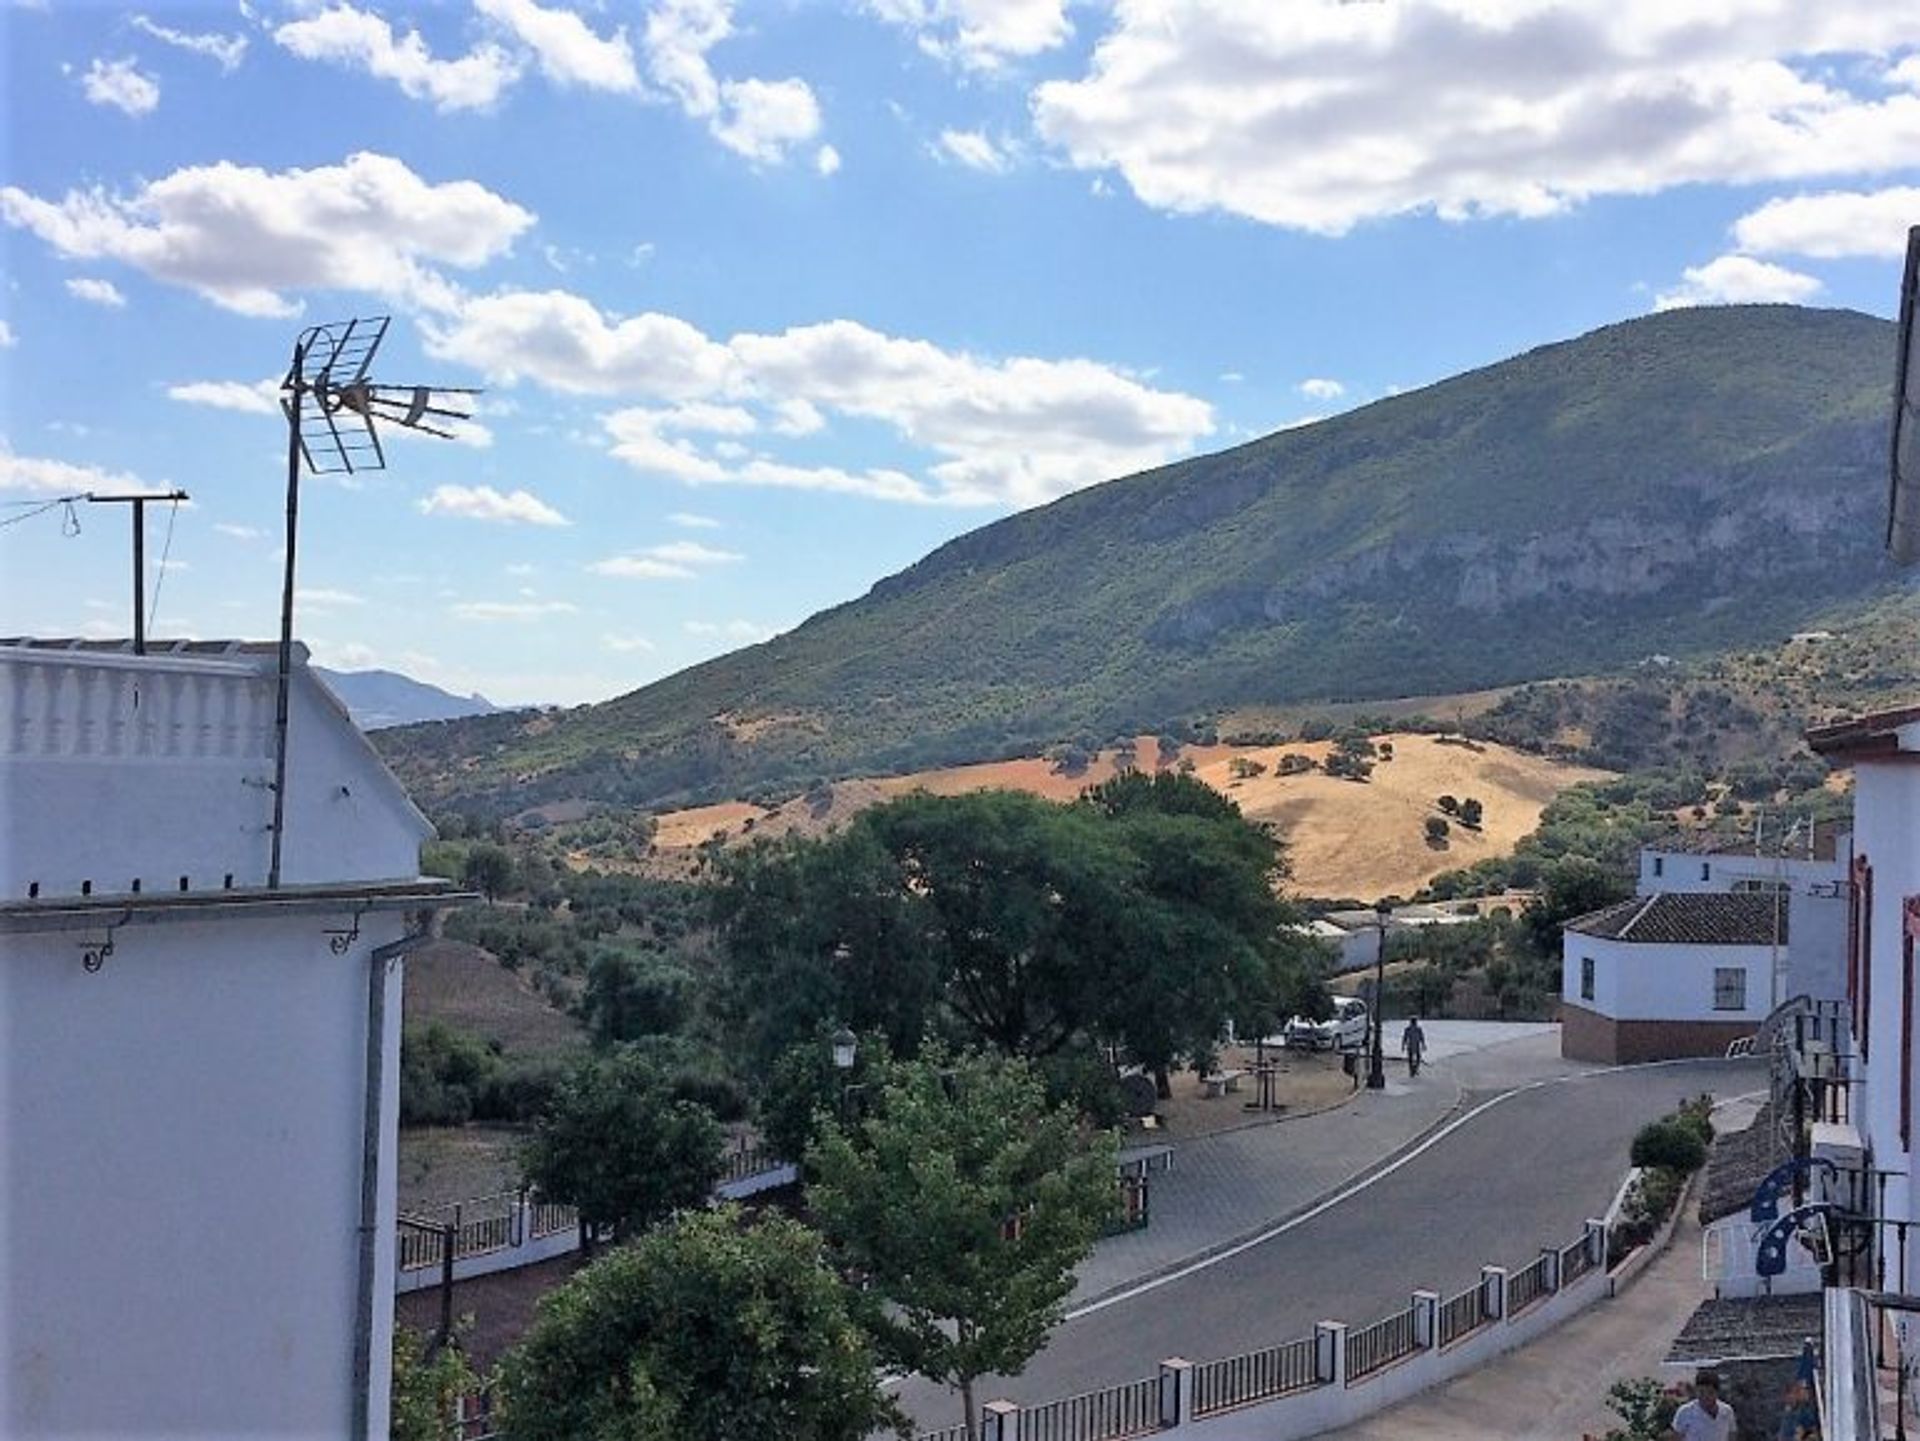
{"type": "Point", "coordinates": [160, 576]}
{"type": "Point", "coordinates": [70, 523]}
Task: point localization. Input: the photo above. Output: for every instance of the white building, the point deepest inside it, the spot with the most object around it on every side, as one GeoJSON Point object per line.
{"type": "Point", "coordinates": [198, 1073]}
{"type": "Point", "coordinates": [1661, 976]}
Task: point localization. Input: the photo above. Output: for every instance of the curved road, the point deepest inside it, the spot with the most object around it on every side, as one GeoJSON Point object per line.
{"type": "Point", "coordinates": [1523, 1173]}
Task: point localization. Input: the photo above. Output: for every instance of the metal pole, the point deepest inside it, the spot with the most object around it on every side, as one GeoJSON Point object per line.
{"type": "Point", "coordinates": [1377, 1062]}
{"type": "Point", "coordinates": [449, 1239]}
{"type": "Point", "coordinates": [285, 679]}
{"type": "Point", "coordinates": [139, 577]}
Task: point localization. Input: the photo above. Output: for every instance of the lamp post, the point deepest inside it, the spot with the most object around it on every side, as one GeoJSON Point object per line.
{"type": "Point", "coordinates": [846, 1050]}
{"type": "Point", "coordinates": [1377, 1060]}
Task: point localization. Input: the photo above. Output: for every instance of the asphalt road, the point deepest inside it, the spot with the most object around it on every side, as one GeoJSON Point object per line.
{"type": "Point", "coordinates": [1520, 1175]}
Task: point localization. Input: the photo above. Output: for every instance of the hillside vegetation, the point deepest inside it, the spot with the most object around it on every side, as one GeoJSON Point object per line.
{"type": "Point", "coordinates": [1344, 837]}
{"type": "Point", "coordinates": [1682, 485]}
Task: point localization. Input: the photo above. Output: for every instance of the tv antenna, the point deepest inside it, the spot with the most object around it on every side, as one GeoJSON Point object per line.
{"type": "Point", "coordinates": [138, 504]}
{"type": "Point", "coordinates": [332, 406]}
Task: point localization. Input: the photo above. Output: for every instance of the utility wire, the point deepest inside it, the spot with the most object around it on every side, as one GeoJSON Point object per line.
{"type": "Point", "coordinates": [160, 577]}
{"type": "Point", "coordinates": [69, 526]}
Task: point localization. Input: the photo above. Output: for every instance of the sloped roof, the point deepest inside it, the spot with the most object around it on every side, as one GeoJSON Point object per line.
{"type": "Point", "coordinates": [1689, 919]}
{"type": "Point", "coordinates": [1869, 735]}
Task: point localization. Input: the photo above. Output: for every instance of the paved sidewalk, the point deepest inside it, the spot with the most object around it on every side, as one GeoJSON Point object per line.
{"type": "Point", "coordinates": [1557, 1386]}
{"type": "Point", "coordinates": [1225, 1187]}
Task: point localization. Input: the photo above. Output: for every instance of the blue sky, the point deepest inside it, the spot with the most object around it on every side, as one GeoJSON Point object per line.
{"type": "Point", "coordinates": [771, 299]}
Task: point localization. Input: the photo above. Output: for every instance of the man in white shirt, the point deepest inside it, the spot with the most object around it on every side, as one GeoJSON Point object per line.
{"type": "Point", "coordinates": [1706, 1417]}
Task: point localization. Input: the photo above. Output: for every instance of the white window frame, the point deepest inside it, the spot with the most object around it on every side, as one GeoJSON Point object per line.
{"type": "Point", "coordinates": [1587, 969]}
{"type": "Point", "coordinates": [1724, 982]}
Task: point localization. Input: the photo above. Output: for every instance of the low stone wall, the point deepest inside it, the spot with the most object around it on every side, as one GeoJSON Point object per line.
{"type": "Point", "coordinates": [1589, 1036]}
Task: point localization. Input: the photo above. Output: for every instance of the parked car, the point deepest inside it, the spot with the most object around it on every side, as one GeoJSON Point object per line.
{"type": "Point", "coordinates": [1344, 1030]}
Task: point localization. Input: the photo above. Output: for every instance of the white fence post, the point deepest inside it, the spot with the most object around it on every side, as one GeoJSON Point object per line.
{"type": "Point", "coordinates": [1176, 1392]}
{"type": "Point", "coordinates": [1493, 1292]}
{"type": "Point", "coordinates": [1596, 1243]}
{"type": "Point", "coordinates": [999, 1421]}
{"type": "Point", "coordinates": [1426, 1319]}
{"type": "Point", "coordinates": [1330, 1353]}
{"type": "Point", "coordinates": [1551, 1254]}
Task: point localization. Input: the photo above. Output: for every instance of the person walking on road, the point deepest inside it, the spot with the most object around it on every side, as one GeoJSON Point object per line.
{"type": "Point", "coordinates": [1706, 1417]}
{"type": "Point", "coordinates": [1413, 1045]}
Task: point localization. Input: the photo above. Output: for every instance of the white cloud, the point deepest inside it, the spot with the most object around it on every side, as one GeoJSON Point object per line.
{"type": "Point", "coordinates": [7, 338]}
{"type": "Point", "coordinates": [675, 560]}
{"type": "Point", "coordinates": [639, 567]}
{"type": "Point", "coordinates": [972, 149]}
{"type": "Point", "coordinates": [40, 476]}
{"type": "Point", "coordinates": [361, 40]}
{"type": "Point", "coordinates": [1320, 114]}
{"type": "Point", "coordinates": [737, 630]}
{"type": "Point", "coordinates": [1016, 431]}
{"type": "Point", "coordinates": [1232, 377]}
{"type": "Point", "coordinates": [625, 643]}
{"type": "Point", "coordinates": [1832, 225]}
{"type": "Point", "coordinates": [563, 341]}
{"type": "Point", "coordinates": [569, 52]}
{"type": "Point", "coordinates": [1320, 388]}
{"type": "Point", "coordinates": [760, 119]}
{"type": "Point", "coordinates": [794, 416]}
{"type": "Point", "coordinates": [687, 520]}
{"type": "Point", "coordinates": [228, 50]}
{"type": "Point", "coordinates": [827, 160]}
{"type": "Point", "coordinates": [691, 552]}
{"type": "Point", "coordinates": [239, 532]}
{"type": "Point", "coordinates": [96, 292]}
{"type": "Point", "coordinates": [1737, 280]}
{"type": "Point", "coordinates": [242, 237]}
{"type": "Point", "coordinates": [979, 34]}
{"type": "Point", "coordinates": [322, 598]}
{"type": "Point", "coordinates": [493, 610]}
{"type": "Point", "coordinates": [483, 502]}
{"type": "Point", "coordinates": [261, 397]}
{"type": "Point", "coordinates": [120, 84]}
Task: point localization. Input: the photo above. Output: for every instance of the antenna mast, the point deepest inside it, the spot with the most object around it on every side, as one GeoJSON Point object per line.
{"type": "Point", "coordinates": [331, 406]}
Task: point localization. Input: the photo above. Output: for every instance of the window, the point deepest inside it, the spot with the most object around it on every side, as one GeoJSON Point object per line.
{"type": "Point", "coordinates": [1706, 870]}
{"type": "Point", "coordinates": [1586, 978]}
{"type": "Point", "coordinates": [1659, 865]}
{"type": "Point", "coordinates": [1729, 988]}
{"type": "Point", "coordinates": [1761, 888]}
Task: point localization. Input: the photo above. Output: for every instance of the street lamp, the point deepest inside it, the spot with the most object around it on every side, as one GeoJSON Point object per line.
{"type": "Point", "coordinates": [846, 1047]}
{"type": "Point", "coordinates": [1377, 1061]}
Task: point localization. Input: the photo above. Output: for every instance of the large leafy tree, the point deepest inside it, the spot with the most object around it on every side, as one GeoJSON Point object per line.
{"type": "Point", "coordinates": [968, 1201]}
{"type": "Point", "coordinates": [1202, 934]}
{"type": "Point", "coordinates": [616, 1144]}
{"type": "Point", "coordinates": [707, 1329]}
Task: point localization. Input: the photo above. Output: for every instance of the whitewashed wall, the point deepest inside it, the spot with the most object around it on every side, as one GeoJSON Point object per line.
{"type": "Point", "coordinates": [1644, 982]}
{"type": "Point", "coordinates": [180, 1180]}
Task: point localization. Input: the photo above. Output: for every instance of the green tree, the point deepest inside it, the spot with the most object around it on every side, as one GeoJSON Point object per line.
{"type": "Point", "coordinates": [488, 869]}
{"type": "Point", "coordinates": [1437, 829]}
{"type": "Point", "coordinates": [707, 1329]}
{"type": "Point", "coordinates": [1570, 887]}
{"type": "Point", "coordinates": [631, 995]}
{"type": "Point", "coordinates": [969, 1201]}
{"type": "Point", "coordinates": [427, 1386]}
{"type": "Point", "coordinates": [1470, 813]}
{"type": "Point", "coordinates": [616, 1144]}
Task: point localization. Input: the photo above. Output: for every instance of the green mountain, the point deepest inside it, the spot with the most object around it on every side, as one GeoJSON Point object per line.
{"type": "Point", "coordinates": [1682, 484]}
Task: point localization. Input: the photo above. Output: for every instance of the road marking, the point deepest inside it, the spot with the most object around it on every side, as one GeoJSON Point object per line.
{"type": "Point", "coordinates": [1354, 1188]}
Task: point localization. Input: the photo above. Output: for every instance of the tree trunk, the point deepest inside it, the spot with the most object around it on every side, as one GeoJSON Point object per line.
{"type": "Point", "coordinates": [1162, 1084]}
{"type": "Point", "coordinates": [966, 1408]}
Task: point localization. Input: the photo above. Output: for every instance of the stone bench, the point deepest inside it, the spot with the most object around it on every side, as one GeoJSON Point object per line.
{"type": "Point", "coordinates": [1221, 1082]}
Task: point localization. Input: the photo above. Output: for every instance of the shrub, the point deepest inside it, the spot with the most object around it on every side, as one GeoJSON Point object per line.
{"type": "Point", "coordinates": [1669, 1144]}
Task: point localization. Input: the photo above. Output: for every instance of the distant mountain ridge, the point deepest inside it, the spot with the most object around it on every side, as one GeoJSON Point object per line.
{"type": "Point", "coordinates": [1682, 484]}
{"type": "Point", "coordinates": [377, 699]}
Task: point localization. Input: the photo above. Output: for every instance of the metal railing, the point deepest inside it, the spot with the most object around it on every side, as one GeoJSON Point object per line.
{"type": "Point", "coordinates": [1528, 1285]}
{"type": "Point", "coordinates": [1461, 1315]}
{"type": "Point", "coordinates": [503, 1220]}
{"type": "Point", "coordinates": [1257, 1376]}
{"type": "Point", "coordinates": [1130, 1409]}
{"type": "Point", "coordinates": [1575, 1261]}
{"type": "Point", "coordinates": [748, 1161]}
{"type": "Point", "coordinates": [955, 1432]}
{"type": "Point", "coordinates": [545, 1218]}
{"type": "Point", "coordinates": [1380, 1344]}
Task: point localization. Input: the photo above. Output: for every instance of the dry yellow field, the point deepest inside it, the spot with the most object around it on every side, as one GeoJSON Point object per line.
{"type": "Point", "coordinates": [1346, 838]}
